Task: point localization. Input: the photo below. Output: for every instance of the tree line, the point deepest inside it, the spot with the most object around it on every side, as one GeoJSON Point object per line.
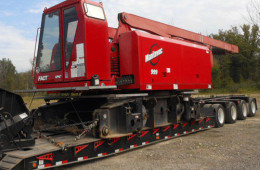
{"type": "Point", "coordinates": [242, 70]}
{"type": "Point", "coordinates": [10, 79]}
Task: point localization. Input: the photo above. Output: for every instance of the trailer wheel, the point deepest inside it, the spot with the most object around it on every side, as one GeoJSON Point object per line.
{"type": "Point", "coordinates": [251, 107]}
{"type": "Point", "coordinates": [220, 115]}
{"type": "Point", "coordinates": [242, 110]}
{"type": "Point", "coordinates": [231, 113]}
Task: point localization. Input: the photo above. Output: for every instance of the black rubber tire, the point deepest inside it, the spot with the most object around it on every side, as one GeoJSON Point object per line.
{"type": "Point", "coordinates": [219, 110]}
{"type": "Point", "coordinates": [231, 113]}
{"type": "Point", "coordinates": [252, 109]}
{"type": "Point", "coordinates": [242, 110]}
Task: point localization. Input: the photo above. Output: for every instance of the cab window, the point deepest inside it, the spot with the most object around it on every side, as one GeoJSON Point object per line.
{"type": "Point", "coordinates": [49, 53]}
{"type": "Point", "coordinates": [94, 11]}
{"type": "Point", "coordinates": [70, 27]}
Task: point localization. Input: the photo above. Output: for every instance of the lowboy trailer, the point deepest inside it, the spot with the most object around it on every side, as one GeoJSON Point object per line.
{"type": "Point", "coordinates": [113, 90]}
{"type": "Point", "coordinates": [54, 149]}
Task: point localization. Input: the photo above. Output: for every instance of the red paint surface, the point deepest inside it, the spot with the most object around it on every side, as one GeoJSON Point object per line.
{"type": "Point", "coordinates": [189, 63]}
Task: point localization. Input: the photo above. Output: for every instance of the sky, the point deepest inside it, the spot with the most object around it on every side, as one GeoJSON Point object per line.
{"type": "Point", "coordinates": [19, 20]}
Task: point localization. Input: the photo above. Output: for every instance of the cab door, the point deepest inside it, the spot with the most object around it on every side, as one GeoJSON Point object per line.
{"type": "Point", "coordinates": [74, 64]}
{"type": "Point", "coordinates": [49, 67]}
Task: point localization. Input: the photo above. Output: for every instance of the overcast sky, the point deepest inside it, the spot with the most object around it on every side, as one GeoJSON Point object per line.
{"type": "Point", "coordinates": [19, 20]}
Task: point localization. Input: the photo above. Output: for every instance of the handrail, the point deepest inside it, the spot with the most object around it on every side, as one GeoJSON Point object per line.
{"type": "Point", "coordinates": [34, 55]}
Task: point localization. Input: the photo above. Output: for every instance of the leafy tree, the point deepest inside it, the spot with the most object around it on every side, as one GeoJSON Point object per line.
{"type": "Point", "coordinates": [7, 74]}
{"type": "Point", "coordinates": [25, 80]}
{"type": "Point", "coordinates": [11, 80]}
{"type": "Point", "coordinates": [240, 67]}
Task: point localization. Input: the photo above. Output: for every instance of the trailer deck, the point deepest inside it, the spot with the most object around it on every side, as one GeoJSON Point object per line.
{"type": "Point", "coordinates": [60, 148]}
{"type": "Point", "coordinates": [46, 155]}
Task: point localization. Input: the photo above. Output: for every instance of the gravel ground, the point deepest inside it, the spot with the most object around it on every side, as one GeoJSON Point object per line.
{"type": "Point", "coordinates": [235, 146]}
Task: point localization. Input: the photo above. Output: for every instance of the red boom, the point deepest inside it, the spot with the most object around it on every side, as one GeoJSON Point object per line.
{"type": "Point", "coordinates": [169, 31]}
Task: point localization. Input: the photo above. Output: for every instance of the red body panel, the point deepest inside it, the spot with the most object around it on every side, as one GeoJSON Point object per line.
{"type": "Point", "coordinates": [93, 34]}
{"type": "Point", "coordinates": [177, 65]}
{"type": "Point", "coordinates": [175, 60]}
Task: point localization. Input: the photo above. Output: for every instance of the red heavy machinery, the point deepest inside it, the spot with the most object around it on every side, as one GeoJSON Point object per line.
{"type": "Point", "coordinates": [114, 89]}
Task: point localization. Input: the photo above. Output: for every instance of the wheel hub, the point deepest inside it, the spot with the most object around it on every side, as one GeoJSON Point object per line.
{"type": "Point", "coordinates": [253, 107]}
{"type": "Point", "coordinates": [244, 110]}
{"type": "Point", "coordinates": [233, 112]}
{"type": "Point", "coordinates": [221, 116]}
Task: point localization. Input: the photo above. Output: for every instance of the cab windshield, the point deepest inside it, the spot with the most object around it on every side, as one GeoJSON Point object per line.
{"type": "Point", "coordinates": [49, 50]}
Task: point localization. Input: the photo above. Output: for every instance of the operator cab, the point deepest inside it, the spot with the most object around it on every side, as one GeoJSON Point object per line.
{"type": "Point", "coordinates": [73, 45]}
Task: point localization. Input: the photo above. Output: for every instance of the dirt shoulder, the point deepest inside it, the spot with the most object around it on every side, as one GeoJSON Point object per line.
{"type": "Point", "coordinates": [235, 146]}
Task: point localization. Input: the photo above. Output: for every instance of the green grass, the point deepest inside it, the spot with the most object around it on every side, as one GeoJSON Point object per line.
{"type": "Point", "coordinates": [35, 104]}
{"type": "Point", "coordinates": [246, 87]}
{"type": "Point", "coordinates": [227, 91]}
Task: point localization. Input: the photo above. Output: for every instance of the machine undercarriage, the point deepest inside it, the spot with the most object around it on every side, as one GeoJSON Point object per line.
{"type": "Point", "coordinates": [117, 114]}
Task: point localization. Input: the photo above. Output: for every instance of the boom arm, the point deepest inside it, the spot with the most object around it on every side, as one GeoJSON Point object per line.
{"type": "Point", "coordinates": [165, 30]}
